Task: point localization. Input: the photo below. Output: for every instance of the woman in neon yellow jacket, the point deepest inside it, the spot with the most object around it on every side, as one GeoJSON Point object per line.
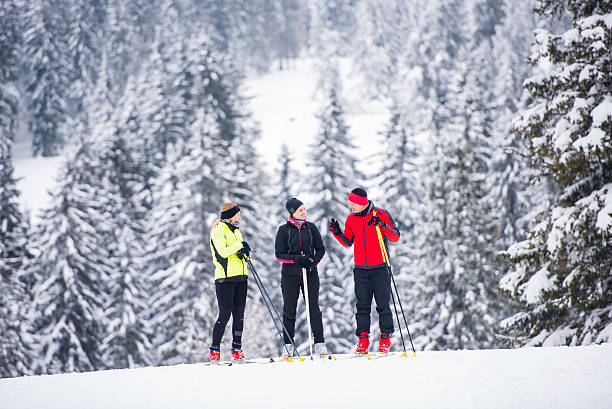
{"type": "Point", "coordinates": [229, 250]}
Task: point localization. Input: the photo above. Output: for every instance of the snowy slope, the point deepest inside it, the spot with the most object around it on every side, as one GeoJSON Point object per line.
{"type": "Point", "coordinates": [285, 103]}
{"type": "Point", "coordinates": [35, 175]}
{"type": "Point", "coordinates": [532, 378]}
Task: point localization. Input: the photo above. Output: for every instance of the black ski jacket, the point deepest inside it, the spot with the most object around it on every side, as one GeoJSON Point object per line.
{"type": "Point", "coordinates": [292, 242]}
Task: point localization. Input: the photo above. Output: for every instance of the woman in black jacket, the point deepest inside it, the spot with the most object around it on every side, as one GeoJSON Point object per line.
{"type": "Point", "coordinates": [299, 246]}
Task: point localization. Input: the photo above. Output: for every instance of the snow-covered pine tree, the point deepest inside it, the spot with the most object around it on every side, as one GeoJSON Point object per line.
{"type": "Point", "coordinates": [283, 183]}
{"type": "Point", "coordinates": [10, 39]}
{"type": "Point", "coordinates": [283, 186]}
{"type": "Point", "coordinates": [16, 354]}
{"type": "Point", "coordinates": [70, 267]}
{"type": "Point", "coordinates": [183, 298]}
{"type": "Point", "coordinates": [13, 230]}
{"type": "Point", "coordinates": [333, 173]}
{"type": "Point", "coordinates": [86, 23]}
{"type": "Point", "coordinates": [332, 28]}
{"type": "Point", "coordinates": [246, 186]}
{"type": "Point", "coordinates": [399, 181]}
{"type": "Point", "coordinates": [49, 71]}
{"type": "Point", "coordinates": [15, 345]}
{"type": "Point", "coordinates": [130, 30]}
{"type": "Point", "coordinates": [157, 102]}
{"type": "Point", "coordinates": [259, 20]}
{"type": "Point", "coordinates": [509, 188]}
{"type": "Point", "coordinates": [459, 302]}
{"type": "Point", "coordinates": [119, 177]}
{"type": "Point", "coordinates": [561, 273]}
{"type": "Point", "coordinates": [120, 174]}
{"type": "Point", "coordinates": [150, 109]}
{"type": "Point", "coordinates": [386, 31]}
{"type": "Point", "coordinates": [292, 33]}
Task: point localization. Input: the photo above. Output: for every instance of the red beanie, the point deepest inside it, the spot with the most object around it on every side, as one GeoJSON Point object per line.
{"type": "Point", "coordinates": [358, 196]}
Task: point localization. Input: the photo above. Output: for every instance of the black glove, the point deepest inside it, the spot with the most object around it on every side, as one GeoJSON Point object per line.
{"type": "Point", "coordinates": [246, 246]}
{"type": "Point", "coordinates": [376, 221]}
{"type": "Point", "coordinates": [303, 261]}
{"type": "Point", "coordinates": [242, 253]}
{"type": "Point", "coordinates": [334, 227]}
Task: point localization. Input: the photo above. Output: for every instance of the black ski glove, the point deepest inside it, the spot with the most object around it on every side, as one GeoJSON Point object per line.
{"type": "Point", "coordinates": [246, 248]}
{"type": "Point", "coordinates": [303, 261]}
{"type": "Point", "coordinates": [243, 252]}
{"type": "Point", "coordinates": [376, 221]}
{"type": "Point", "coordinates": [312, 263]}
{"type": "Point", "coordinates": [334, 227]}
{"type": "Point", "coordinates": [246, 245]}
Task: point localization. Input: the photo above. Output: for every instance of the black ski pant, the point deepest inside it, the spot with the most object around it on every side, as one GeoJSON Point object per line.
{"type": "Point", "coordinates": [231, 298]}
{"type": "Point", "coordinates": [374, 282]}
{"type": "Point", "coordinates": [291, 286]}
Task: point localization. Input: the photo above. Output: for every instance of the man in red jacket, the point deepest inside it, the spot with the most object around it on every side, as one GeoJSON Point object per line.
{"type": "Point", "coordinates": [371, 276]}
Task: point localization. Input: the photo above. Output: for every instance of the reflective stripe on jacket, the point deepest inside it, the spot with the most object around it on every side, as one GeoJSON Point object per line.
{"type": "Point", "coordinates": [224, 243]}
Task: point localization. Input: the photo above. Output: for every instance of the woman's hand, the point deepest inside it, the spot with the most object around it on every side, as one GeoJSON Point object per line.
{"type": "Point", "coordinates": [304, 261]}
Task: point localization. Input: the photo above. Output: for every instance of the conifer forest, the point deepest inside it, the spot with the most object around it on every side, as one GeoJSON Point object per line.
{"type": "Point", "coordinates": [496, 165]}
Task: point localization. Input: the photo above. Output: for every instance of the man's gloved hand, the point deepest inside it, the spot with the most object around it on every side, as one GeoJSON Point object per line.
{"type": "Point", "coordinates": [304, 261]}
{"type": "Point", "coordinates": [376, 221]}
{"type": "Point", "coordinates": [334, 227]}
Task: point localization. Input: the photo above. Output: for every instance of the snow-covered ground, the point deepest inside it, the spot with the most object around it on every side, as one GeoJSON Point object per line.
{"type": "Point", "coordinates": [531, 378]}
{"type": "Point", "coordinates": [36, 176]}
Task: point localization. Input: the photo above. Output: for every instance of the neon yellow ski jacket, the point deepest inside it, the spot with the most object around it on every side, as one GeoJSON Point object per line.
{"type": "Point", "coordinates": [224, 243]}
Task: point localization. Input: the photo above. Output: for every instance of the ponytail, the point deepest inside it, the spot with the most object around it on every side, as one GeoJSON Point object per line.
{"type": "Point", "coordinates": [215, 223]}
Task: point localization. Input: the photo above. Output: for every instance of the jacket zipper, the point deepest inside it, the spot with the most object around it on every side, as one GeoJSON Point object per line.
{"type": "Point", "coordinates": [300, 237]}
{"type": "Point", "coordinates": [301, 251]}
{"type": "Point", "coordinates": [243, 263]}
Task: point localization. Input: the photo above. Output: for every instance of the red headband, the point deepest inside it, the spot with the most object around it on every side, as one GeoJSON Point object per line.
{"type": "Point", "coordinates": [360, 200]}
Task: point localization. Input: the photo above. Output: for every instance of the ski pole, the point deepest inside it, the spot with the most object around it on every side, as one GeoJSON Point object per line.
{"type": "Point", "coordinates": [305, 281]}
{"type": "Point", "coordinates": [399, 300]}
{"type": "Point", "coordinates": [388, 267]}
{"type": "Point", "coordinates": [268, 302]}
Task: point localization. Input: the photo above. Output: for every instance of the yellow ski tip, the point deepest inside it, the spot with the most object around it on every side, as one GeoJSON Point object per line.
{"type": "Point", "coordinates": [405, 354]}
{"type": "Point", "coordinates": [289, 359]}
{"type": "Point", "coordinates": [302, 359]}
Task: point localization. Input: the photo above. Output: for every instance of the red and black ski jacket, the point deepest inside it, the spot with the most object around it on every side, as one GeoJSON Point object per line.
{"type": "Point", "coordinates": [368, 253]}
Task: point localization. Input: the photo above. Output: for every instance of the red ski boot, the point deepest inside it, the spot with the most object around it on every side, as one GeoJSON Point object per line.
{"type": "Point", "coordinates": [215, 356]}
{"type": "Point", "coordinates": [385, 343]}
{"type": "Point", "coordinates": [364, 344]}
{"type": "Point", "coordinates": [237, 354]}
